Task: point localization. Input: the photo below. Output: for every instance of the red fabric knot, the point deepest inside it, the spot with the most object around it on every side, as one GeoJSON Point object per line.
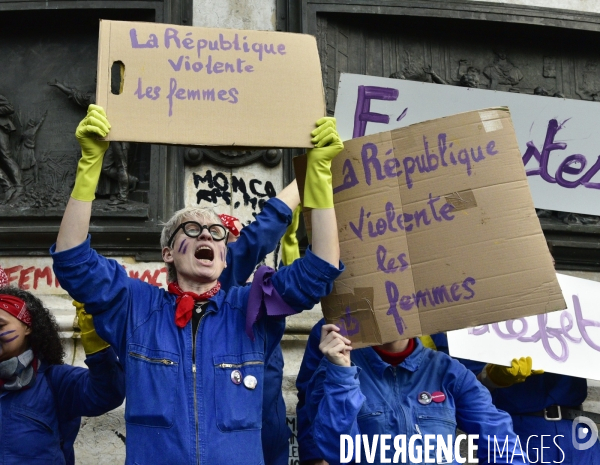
{"type": "Point", "coordinates": [16, 307]}
{"type": "Point", "coordinates": [229, 222]}
{"type": "Point", "coordinates": [187, 300]}
{"type": "Point", "coordinates": [3, 277]}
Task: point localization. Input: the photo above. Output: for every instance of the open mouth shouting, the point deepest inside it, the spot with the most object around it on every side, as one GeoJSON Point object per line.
{"type": "Point", "coordinates": [204, 254]}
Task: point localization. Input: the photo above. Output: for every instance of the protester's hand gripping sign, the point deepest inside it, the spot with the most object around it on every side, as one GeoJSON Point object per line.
{"type": "Point", "coordinates": [201, 86]}
{"type": "Point", "coordinates": [437, 231]}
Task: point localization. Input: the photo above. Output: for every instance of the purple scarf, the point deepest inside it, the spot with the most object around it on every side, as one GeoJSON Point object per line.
{"type": "Point", "coordinates": [264, 299]}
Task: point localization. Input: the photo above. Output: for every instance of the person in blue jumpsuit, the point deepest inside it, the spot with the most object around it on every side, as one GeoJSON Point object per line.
{"type": "Point", "coordinates": [540, 404]}
{"type": "Point", "coordinates": [194, 357]}
{"type": "Point", "coordinates": [42, 400]}
{"type": "Point", "coordinates": [543, 407]}
{"type": "Point", "coordinates": [246, 248]}
{"type": "Point", "coordinates": [399, 388]}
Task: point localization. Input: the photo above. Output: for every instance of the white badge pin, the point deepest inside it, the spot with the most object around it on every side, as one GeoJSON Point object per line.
{"type": "Point", "coordinates": [250, 382]}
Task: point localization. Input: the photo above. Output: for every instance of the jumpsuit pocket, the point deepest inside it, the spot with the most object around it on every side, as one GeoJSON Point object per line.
{"type": "Point", "coordinates": [238, 406]}
{"type": "Point", "coordinates": [373, 419]}
{"type": "Point", "coordinates": [437, 421]}
{"type": "Point", "coordinates": [41, 438]}
{"type": "Point", "coordinates": [152, 375]}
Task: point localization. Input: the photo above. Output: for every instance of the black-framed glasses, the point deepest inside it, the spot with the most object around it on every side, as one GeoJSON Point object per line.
{"type": "Point", "coordinates": [194, 229]}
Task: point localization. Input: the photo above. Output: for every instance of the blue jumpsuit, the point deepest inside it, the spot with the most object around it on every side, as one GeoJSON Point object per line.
{"type": "Point", "coordinates": [35, 422]}
{"type": "Point", "coordinates": [373, 397]}
{"type": "Point", "coordinates": [183, 404]}
{"type": "Point", "coordinates": [535, 394]}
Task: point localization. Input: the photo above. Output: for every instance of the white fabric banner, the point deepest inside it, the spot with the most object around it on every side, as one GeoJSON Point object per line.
{"type": "Point", "coordinates": [565, 342]}
{"type": "Point", "coordinates": [558, 138]}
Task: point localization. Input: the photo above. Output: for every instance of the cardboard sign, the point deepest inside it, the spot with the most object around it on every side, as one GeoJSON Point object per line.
{"type": "Point", "coordinates": [558, 138]}
{"type": "Point", "coordinates": [437, 231]}
{"type": "Point", "coordinates": [215, 87]}
{"type": "Point", "coordinates": [566, 342]}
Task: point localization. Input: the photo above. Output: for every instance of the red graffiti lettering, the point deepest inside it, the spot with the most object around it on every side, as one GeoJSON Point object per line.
{"type": "Point", "coordinates": [162, 270]}
{"type": "Point", "coordinates": [42, 273]}
{"type": "Point", "coordinates": [24, 278]}
{"type": "Point", "coordinates": [11, 273]}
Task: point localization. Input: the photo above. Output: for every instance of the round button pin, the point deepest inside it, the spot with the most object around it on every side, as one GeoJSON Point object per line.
{"type": "Point", "coordinates": [424, 398]}
{"type": "Point", "coordinates": [438, 397]}
{"type": "Point", "coordinates": [236, 377]}
{"type": "Point", "coordinates": [250, 382]}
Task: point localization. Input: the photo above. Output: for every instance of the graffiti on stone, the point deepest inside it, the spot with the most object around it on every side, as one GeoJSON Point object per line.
{"type": "Point", "coordinates": [217, 187]}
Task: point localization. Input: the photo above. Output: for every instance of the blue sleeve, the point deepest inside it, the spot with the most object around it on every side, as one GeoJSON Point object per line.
{"type": "Point", "coordinates": [307, 449]}
{"type": "Point", "coordinates": [89, 392]}
{"type": "Point", "coordinates": [256, 240]}
{"type": "Point", "coordinates": [306, 281]}
{"type": "Point", "coordinates": [333, 399]}
{"type": "Point", "coordinates": [476, 414]}
{"type": "Point", "coordinates": [106, 290]}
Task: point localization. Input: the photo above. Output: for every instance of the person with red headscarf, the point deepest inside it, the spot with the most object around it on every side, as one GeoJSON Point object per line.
{"type": "Point", "coordinates": [42, 400]}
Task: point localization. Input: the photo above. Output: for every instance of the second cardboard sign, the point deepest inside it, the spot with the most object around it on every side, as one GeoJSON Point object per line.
{"type": "Point", "coordinates": [437, 231]}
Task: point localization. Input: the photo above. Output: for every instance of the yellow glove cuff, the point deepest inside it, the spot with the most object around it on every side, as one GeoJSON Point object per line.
{"type": "Point", "coordinates": [90, 340]}
{"type": "Point", "coordinates": [92, 343]}
{"type": "Point", "coordinates": [289, 243]}
{"type": "Point", "coordinates": [318, 188]}
{"type": "Point", "coordinates": [86, 179]}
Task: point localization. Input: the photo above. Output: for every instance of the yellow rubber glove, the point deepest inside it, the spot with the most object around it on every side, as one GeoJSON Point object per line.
{"type": "Point", "coordinates": [92, 343]}
{"type": "Point", "coordinates": [428, 342]}
{"type": "Point", "coordinates": [518, 372]}
{"type": "Point", "coordinates": [289, 242]}
{"type": "Point", "coordinates": [318, 191]}
{"type": "Point", "coordinates": [92, 127]}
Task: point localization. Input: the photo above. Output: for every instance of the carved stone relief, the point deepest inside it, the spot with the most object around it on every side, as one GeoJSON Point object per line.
{"type": "Point", "coordinates": [194, 156]}
{"type": "Point", "coordinates": [115, 180]}
{"type": "Point", "coordinates": [487, 55]}
{"type": "Point", "coordinates": [38, 150]}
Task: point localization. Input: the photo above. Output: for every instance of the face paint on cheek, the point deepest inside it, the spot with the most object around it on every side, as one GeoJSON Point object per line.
{"type": "Point", "coordinates": [183, 242]}
{"type": "Point", "coordinates": [4, 339]}
{"type": "Point", "coordinates": [222, 256]}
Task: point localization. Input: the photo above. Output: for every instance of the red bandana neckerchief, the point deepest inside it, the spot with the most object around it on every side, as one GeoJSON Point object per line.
{"type": "Point", "coordinates": [187, 300]}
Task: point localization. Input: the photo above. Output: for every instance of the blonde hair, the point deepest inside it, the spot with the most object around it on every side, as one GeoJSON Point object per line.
{"type": "Point", "coordinates": [202, 213]}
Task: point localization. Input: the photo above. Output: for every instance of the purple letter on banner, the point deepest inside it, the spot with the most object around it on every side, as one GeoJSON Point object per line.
{"type": "Point", "coordinates": [363, 107]}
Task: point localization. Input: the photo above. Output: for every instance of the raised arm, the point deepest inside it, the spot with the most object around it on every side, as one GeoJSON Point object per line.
{"type": "Point", "coordinates": [260, 237]}
{"type": "Point", "coordinates": [76, 219]}
{"type": "Point", "coordinates": [318, 191]}
{"type": "Point", "coordinates": [333, 395]}
{"type": "Point", "coordinates": [82, 392]}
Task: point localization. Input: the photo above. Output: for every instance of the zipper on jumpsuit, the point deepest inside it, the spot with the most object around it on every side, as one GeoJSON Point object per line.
{"type": "Point", "coordinates": [397, 394]}
{"type": "Point", "coordinates": [194, 377]}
